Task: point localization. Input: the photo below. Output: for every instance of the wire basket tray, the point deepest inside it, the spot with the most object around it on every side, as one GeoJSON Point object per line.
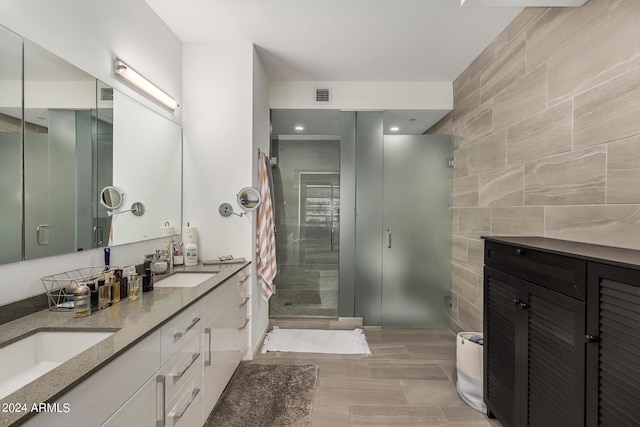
{"type": "Point", "coordinates": [57, 285]}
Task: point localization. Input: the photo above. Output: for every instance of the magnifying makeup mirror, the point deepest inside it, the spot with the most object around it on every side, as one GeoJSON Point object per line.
{"type": "Point", "coordinates": [249, 199]}
{"type": "Point", "coordinates": [111, 197]}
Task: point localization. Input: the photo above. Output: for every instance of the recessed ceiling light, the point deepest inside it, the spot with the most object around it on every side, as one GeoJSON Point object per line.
{"type": "Point", "coordinates": [394, 129]}
{"type": "Point", "coordinates": [299, 128]}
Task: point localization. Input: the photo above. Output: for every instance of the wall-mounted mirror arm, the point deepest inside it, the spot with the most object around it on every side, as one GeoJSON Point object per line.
{"type": "Point", "coordinates": [137, 209]}
{"type": "Point", "coordinates": [226, 209]}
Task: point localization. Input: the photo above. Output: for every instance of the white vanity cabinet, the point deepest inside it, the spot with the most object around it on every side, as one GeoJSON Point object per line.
{"type": "Point", "coordinates": [98, 397]}
{"type": "Point", "coordinates": [174, 376]}
{"type": "Point", "coordinates": [226, 338]}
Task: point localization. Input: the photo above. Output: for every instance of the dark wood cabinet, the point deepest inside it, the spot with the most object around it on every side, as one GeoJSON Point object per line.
{"type": "Point", "coordinates": [562, 333]}
{"type": "Point", "coordinates": [613, 349]}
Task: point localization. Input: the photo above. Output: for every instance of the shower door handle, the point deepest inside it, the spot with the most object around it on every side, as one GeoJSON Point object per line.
{"type": "Point", "coordinates": [389, 238]}
{"type": "Point", "coordinates": [332, 230]}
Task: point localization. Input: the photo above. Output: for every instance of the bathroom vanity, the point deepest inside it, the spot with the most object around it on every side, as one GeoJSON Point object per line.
{"type": "Point", "coordinates": [169, 357]}
{"type": "Point", "coordinates": [562, 332]}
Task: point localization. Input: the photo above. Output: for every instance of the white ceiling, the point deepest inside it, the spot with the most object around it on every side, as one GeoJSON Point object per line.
{"type": "Point", "coordinates": [345, 40]}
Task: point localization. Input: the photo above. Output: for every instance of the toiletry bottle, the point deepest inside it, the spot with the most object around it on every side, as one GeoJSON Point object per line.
{"type": "Point", "coordinates": [115, 290]}
{"type": "Point", "coordinates": [191, 255]}
{"type": "Point", "coordinates": [81, 301]}
{"type": "Point", "coordinates": [93, 289]}
{"type": "Point", "coordinates": [134, 286]}
{"type": "Point", "coordinates": [104, 294]}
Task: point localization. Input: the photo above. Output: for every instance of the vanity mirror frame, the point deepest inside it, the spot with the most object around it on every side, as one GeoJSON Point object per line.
{"type": "Point", "coordinates": [249, 199]}
{"type": "Point", "coordinates": [90, 215]}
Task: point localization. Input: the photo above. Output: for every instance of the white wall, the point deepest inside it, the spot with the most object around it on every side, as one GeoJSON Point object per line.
{"type": "Point", "coordinates": [89, 33]}
{"type": "Point", "coordinates": [363, 95]}
{"type": "Point", "coordinates": [260, 309]}
{"type": "Point", "coordinates": [225, 92]}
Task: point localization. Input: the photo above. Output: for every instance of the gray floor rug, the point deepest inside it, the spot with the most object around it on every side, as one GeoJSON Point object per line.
{"type": "Point", "coordinates": [267, 396]}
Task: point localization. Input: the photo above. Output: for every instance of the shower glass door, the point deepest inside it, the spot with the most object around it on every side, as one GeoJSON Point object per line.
{"type": "Point", "coordinates": [307, 206]}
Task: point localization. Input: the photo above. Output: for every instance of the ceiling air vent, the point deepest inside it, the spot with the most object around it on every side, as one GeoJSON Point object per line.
{"type": "Point", "coordinates": [323, 96]}
{"type": "Point", "coordinates": [106, 94]}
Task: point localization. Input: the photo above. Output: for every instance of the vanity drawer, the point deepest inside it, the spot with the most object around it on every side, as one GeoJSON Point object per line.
{"type": "Point", "coordinates": [186, 360]}
{"type": "Point", "coordinates": [180, 330]}
{"type": "Point", "coordinates": [553, 271]}
{"type": "Point", "coordinates": [185, 409]}
{"type": "Point", "coordinates": [216, 300]}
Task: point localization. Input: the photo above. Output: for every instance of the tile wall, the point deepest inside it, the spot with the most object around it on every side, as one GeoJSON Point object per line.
{"type": "Point", "coordinates": [546, 126]}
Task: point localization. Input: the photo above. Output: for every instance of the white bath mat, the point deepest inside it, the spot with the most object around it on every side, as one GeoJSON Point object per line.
{"type": "Point", "coordinates": [316, 341]}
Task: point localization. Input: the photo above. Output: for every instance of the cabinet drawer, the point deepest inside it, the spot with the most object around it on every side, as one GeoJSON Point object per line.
{"type": "Point", "coordinates": [185, 409]}
{"type": "Point", "coordinates": [175, 372]}
{"type": "Point", "coordinates": [557, 272]}
{"type": "Point", "coordinates": [180, 330]}
{"type": "Point", "coordinates": [216, 300]}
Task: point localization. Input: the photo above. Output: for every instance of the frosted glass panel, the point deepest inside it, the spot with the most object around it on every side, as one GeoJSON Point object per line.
{"type": "Point", "coordinates": [368, 216]}
{"type": "Point", "coordinates": [416, 231]}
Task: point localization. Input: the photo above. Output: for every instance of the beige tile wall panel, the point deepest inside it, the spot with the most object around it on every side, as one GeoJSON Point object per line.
{"type": "Point", "coordinates": [465, 191]}
{"type": "Point", "coordinates": [465, 283]}
{"type": "Point", "coordinates": [502, 187]}
{"type": "Point", "coordinates": [523, 221]}
{"type": "Point", "coordinates": [506, 65]}
{"type": "Point", "coordinates": [612, 225]}
{"type": "Point", "coordinates": [474, 222]}
{"type": "Point", "coordinates": [592, 54]}
{"type": "Point", "coordinates": [469, 316]}
{"type": "Point", "coordinates": [541, 135]}
{"type": "Point", "coordinates": [524, 98]}
{"type": "Point", "coordinates": [466, 84]}
{"type": "Point", "coordinates": [559, 27]}
{"type": "Point", "coordinates": [523, 21]}
{"type": "Point", "coordinates": [574, 178]}
{"type": "Point", "coordinates": [461, 161]}
{"type": "Point", "coordinates": [623, 171]}
{"type": "Point", "coordinates": [459, 249]}
{"type": "Point", "coordinates": [455, 221]}
{"type": "Point", "coordinates": [608, 112]}
{"type": "Point", "coordinates": [472, 121]}
{"type": "Point", "coordinates": [488, 153]}
{"type": "Point", "coordinates": [476, 255]}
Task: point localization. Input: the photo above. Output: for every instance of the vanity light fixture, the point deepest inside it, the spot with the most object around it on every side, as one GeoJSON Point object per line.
{"type": "Point", "coordinates": [133, 77]}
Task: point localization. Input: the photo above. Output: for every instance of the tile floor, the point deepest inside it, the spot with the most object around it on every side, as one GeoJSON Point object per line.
{"type": "Point", "coordinates": [409, 380]}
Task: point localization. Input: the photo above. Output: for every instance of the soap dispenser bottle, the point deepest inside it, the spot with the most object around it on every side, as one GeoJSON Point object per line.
{"type": "Point", "coordinates": [191, 254]}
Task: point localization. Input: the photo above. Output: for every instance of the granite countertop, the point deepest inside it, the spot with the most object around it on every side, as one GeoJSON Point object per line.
{"type": "Point", "coordinates": [131, 321]}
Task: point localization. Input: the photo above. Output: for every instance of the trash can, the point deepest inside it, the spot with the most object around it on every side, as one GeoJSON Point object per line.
{"type": "Point", "coordinates": [469, 369]}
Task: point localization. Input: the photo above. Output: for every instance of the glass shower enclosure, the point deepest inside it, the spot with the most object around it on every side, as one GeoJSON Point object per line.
{"type": "Point", "coordinates": [307, 203]}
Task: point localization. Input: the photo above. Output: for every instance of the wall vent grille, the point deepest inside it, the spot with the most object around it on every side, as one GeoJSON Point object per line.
{"type": "Point", "coordinates": [106, 94]}
{"type": "Point", "coordinates": [323, 95]}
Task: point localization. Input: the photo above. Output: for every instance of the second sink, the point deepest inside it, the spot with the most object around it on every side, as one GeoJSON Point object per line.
{"type": "Point", "coordinates": [183, 280]}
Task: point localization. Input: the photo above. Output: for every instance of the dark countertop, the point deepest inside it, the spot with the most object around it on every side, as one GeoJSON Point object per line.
{"type": "Point", "coordinates": [628, 258]}
{"type": "Point", "coordinates": [132, 321]}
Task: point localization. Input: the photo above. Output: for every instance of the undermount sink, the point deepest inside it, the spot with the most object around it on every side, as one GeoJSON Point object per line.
{"type": "Point", "coordinates": [33, 356]}
{"type": "Point", "coordinates": [183, 280]}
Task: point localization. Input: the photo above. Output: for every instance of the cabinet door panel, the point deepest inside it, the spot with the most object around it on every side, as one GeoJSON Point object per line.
{"type": "Point", "coordinates": [555, 359]}
{"type": "Point", "coordinates": [613, 391]}
{"type": "Point", "coordinates": [500, 323]}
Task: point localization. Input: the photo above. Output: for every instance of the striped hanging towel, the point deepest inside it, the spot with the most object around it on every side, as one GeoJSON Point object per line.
{"type": "Point", "coordinates": [266, 236]}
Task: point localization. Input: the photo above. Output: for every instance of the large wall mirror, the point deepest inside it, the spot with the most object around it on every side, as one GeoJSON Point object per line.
{"type": "Point", "coordinates": [78, 136]}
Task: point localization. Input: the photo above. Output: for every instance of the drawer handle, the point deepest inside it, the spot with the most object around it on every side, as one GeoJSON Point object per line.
{"type": "Point", "coordinates": [179, 414]}
{"type": "Point", "coordinates": [162, 420]}
{"type": "Point", "coordinates": [246, 322]}
{"type": "Point", "coordinates": [244, 302]}
{"type": "Point", "coordinates": [179, 334]}
{"type": "Point", "coordinates": [194, 357]}
{"type": "Point", "coordinates": [519, 251]}
{"type": "Point", "coordinates": [207, 362]}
